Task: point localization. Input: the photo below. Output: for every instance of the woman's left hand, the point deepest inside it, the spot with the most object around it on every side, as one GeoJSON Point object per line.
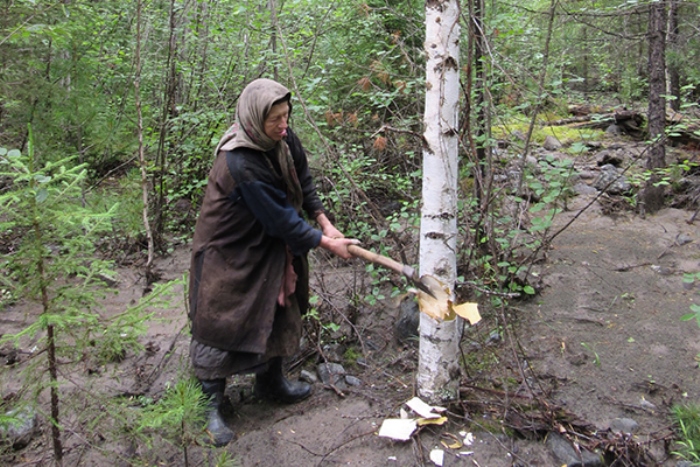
{"type": "Point", "coordinates": [328, 228]}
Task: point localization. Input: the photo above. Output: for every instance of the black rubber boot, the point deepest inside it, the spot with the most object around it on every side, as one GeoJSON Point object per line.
{"type": "Point", "coordinates": [272, 385]}
{"type": "Point", "coordinates": [219, 433]}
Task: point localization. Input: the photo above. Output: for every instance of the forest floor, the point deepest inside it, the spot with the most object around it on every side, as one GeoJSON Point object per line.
{"type": "Point", "coordinates": [603, 340]}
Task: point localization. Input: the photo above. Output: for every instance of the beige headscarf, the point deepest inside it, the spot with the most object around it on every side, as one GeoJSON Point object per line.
{"type": "Point", "coordinates": [254, 104]}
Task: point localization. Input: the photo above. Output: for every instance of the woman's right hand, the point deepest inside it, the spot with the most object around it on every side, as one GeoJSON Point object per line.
{"type": "Point", "coordinates": [338, 246]}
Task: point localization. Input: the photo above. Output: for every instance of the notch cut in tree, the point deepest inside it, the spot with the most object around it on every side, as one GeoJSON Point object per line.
{"type": "Point", "coordinates": [438, 362]}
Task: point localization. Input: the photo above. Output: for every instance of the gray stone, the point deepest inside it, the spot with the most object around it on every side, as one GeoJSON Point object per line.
{"type": "Point", "coordinates": [353, 380]}
{"type": "Point", "coordinates": [494, 338]}
{"type": "Point", "coordinates": [409, 317]}
{"type": "Point", "coordinates": [531, 161]}
{"type": "Point", "coordinates": [584, 189]}
{"type": "Point", "coordinates": [570, 457]}
{"type": "Point", "coordinates": [683, 239]}
{"type": "Point", "coordinates": [663, 270]}
{"type": "Point", "coordinates": [551, 143]}
{"type": "Point", "coordinates": [587, 175]}
{"type": "Point", "coordinates": [613, 130]}
{"type": "Point", "coordinates": [646, 404]}
{"type": "Point", "coordinates": [332, 374]}
{"type": "Point", "coordinates": [308, 377]}
{"type": "Point", "coordinates": [612, 181]}
{"type": "Point", "coordinates": [333, 352]}
{"type": "Point", "coordinates": [607, 156]}
{"type": "Point", "coordinates": [23, 430]}
{"type": "Point", "coordinates": [624, 425]}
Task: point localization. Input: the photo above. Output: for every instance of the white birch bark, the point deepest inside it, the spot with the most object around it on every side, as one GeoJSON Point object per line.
{"type": "Point", "coordinates": [438, 365]}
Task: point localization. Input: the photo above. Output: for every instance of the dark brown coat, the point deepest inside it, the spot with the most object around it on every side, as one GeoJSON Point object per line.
{"type": "Point", "coordinates": [237, 266]}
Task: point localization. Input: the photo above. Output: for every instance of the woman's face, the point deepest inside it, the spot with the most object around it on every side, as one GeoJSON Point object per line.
{"type": "Point", "coordinates": [275, 125]}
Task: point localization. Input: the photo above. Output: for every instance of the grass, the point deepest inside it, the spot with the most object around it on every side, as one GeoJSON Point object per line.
{"type": "Point", "coordinates": [686, 419]}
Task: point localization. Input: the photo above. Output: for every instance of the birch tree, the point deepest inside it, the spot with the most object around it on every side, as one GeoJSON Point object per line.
{"type": "Point", "coordinates": [438, 365]}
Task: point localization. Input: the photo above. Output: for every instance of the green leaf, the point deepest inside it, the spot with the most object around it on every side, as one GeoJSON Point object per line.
{"type": "Point", "coordinates": [41, 195]}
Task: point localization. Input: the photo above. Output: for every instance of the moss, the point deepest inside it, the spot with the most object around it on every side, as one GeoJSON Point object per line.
{"type": "Point", "coordinates": [566, 135]}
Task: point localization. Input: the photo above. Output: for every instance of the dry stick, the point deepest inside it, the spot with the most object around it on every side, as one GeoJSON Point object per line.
{"type": "Point", "coordinates": [356, 437]}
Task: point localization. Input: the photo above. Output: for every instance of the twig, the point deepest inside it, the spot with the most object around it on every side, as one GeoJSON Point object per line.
{"type": "Point", "coordinates": [361, 435]}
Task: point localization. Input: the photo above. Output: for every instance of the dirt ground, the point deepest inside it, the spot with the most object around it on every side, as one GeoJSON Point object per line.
{"type": "Point", "coordinates": [603, 340]}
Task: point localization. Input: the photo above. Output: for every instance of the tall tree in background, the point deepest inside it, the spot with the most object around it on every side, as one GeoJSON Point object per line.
{"type": "Point", "coordinates": [438, 366]}
{"type": "Point", "coordinates": [168, 112]}
{"type": "Point", "coordinates": [673, 80]}
{"type": "Point", "coordinates": [653, 196]}
{"type": "Point", "coordinates": [139, 133]}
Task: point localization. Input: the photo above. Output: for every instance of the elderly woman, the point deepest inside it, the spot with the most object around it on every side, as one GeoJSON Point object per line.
{"type": "Point", "coordinates": [249, 275]}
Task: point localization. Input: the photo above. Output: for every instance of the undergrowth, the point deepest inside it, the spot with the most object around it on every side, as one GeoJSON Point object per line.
{"type": "Point", "coordinates": [686, 420]}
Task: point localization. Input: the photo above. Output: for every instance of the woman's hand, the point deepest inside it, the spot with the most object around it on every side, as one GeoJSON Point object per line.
{"type": "Point", "coordinates": [327, 227]}
{"type": "Point", "coordinates": [338, 246]}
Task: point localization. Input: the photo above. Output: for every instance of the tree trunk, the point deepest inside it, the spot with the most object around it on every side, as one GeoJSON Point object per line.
{"type": "Point", "coordinates": [273, 38]}
{"type": "Point", "coordinates": [438, 365]}
{"type": "Point", "coordinates": [40, 263]}
{"type": "Point", "coordinates": [168, 110]}
{"type": "Point", "coordinates": [483, 167]}
{"type": "Point", "coordinates": [673, 84]}
{"type": "Point", "coordinates": [653, 196]}
{"type": "Point", "coordinates": [142, 156]}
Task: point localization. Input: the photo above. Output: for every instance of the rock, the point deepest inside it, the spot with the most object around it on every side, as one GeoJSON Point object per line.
{"type": "Point", "coordinates": [646, 404]}
{"type": "Point", "coordinates": [683, 239]}
{"type": "Point", "coordinates": [609, 157]}
{"type": "Point", "coordinates": [531, 161]}
{"type": "Point", "coordinates": [624, 425]}
{"type": "Point", "coordinates": [409, 317]}
{"type": "Point", "coordinates": [663, 270]}
{"type": "Point", "coordinates": [568, 456]}
{"type": "Point", "coordinates": [612, 181]}
{"type": "Point", "coordinates": [614, 130]}
{"type": "Point", "coordinates": [308, 377]}
{"type": "Point", "coordinates": [332, 374]}
{"type": "Point", "coordinates": [333, 352]}
{"type": "Point", "coordinates": [551, 143]}
{"type": "Point", "coordinates": [494, 338]}
{"type": "Point", "coordinates": [20, 433]}
{"type": "Point", "coordinates": [353, 380]}
{"type": "Point", "coordinates": [584, 189]}
{"type": "Point", "coordinates": [587, 175]}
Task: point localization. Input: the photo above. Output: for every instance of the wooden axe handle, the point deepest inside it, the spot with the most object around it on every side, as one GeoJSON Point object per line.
{"type": "Point", "coordinates": [389, 263]}
{"type": "Point", "coordinates": [377, 259]}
